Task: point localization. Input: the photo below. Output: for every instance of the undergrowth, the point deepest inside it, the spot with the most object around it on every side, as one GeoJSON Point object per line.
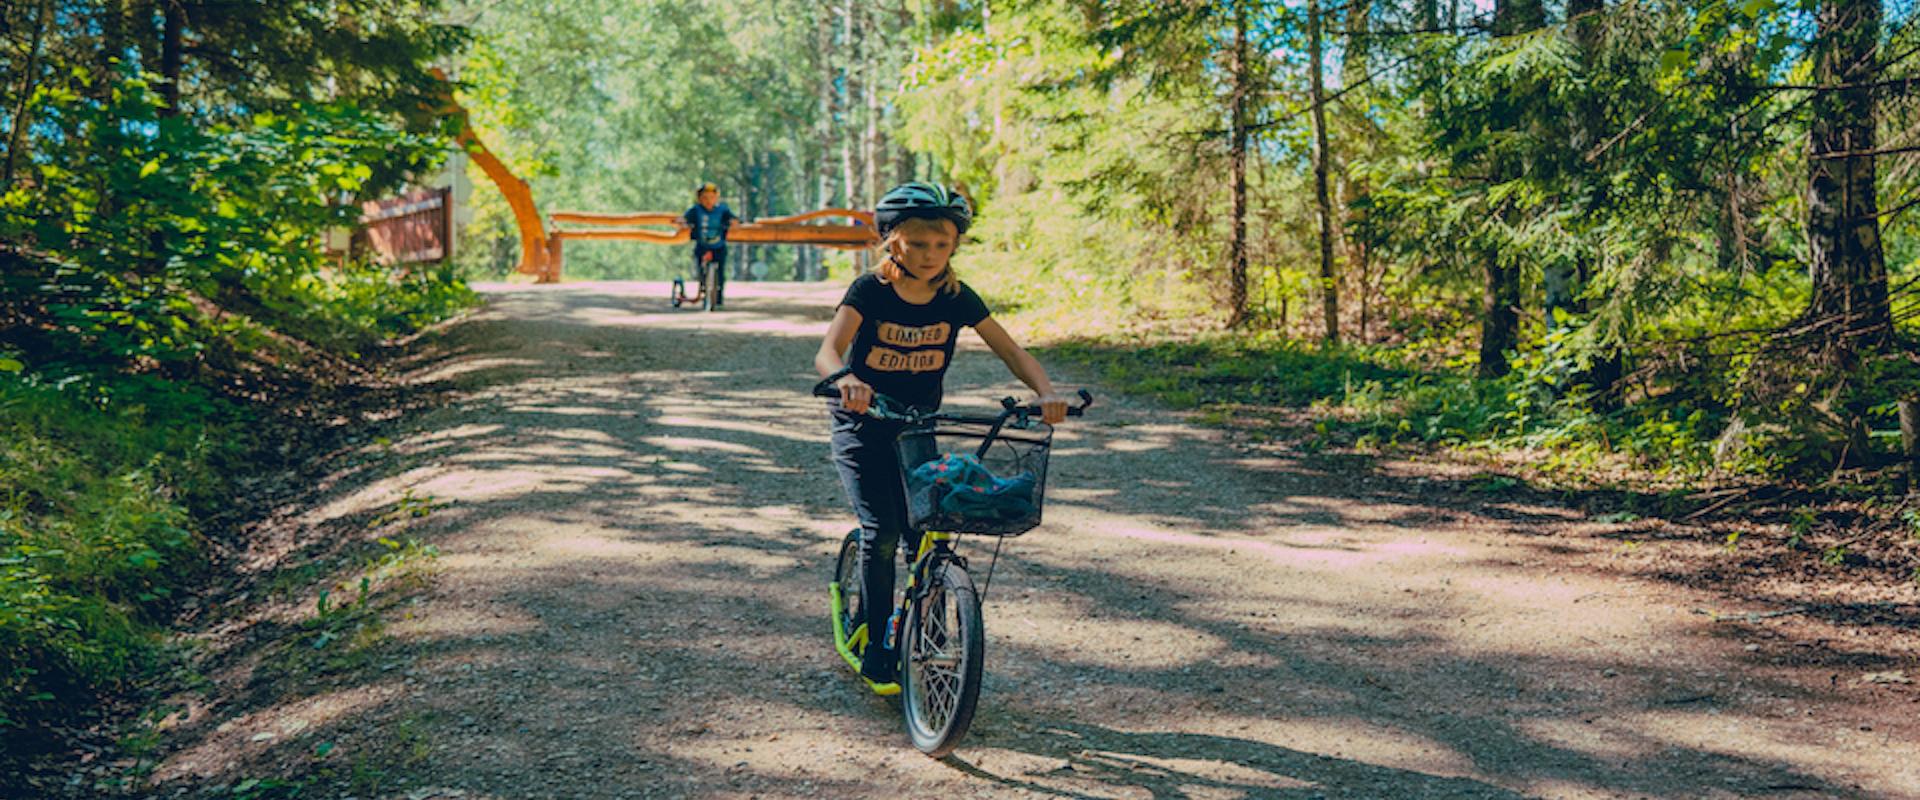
{"type": "Point", "coordinates": [108, 474]}
{"type": "Point", "coordinates": [1373, 397]}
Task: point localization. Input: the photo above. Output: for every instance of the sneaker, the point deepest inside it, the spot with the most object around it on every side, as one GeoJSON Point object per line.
{"type": "Point", "coordinates": [881, 671]}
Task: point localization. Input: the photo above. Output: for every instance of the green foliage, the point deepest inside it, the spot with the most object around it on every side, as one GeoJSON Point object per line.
{"type": "Point", "coordinates": [151, 257]}
{"type": "Point", "coordinates": [1382, 396]}
{"type": "Point", "coordinates": [1642, 169]}
{"type": "Point", "coordinates": [397, 565]}
{"type": "Point", "coordinates": [142, 218]}
{"type": "Point", "coordinates": [95, 532]}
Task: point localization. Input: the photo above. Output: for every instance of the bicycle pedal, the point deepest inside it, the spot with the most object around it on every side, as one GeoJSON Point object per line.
{"type": "Point", "coordinates": [882, 689]}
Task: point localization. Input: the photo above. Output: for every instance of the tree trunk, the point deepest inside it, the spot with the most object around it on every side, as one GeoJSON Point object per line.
{"type": "Point", "coordinates": [821, 165]}
{"type": "Point", "coordinates": [1353, 76]}
{"type": "Point", "coordinates": [850, 47]}
{"type": "Point", "coordinates": [1513, 17]}
{"type": "Point", "coordinates": [1237, 249]}
{"type": "Point", "coordinates": [852, 141]}
{"type": "Point", "coordinates": [1849, 307]}
{"type": "Point", "coordinates": [1499, 313]}
{"type": "Point", "coordinates": [905, 165]}
{"type": "Point", "coordinates": [1353, 69]}
{"type": "Point", "coordinates": [1362, 260]}
{"type": "Point", "coordinates": [1909, 429]}
{"type": "Point", "coordinates": [1587, 22]}
{"type": "Point", "coordinates": [1323, 205]}
{"type": "Point", "coordinates": [29, 81]}
{"type": "Point", "coordinates": [113, 37]}
{"type": "Point", "coordinates": [1500, 301]}
{"type": "Point", "coordinates": [1563, 276]}
{"type": "Point", "coordinates": [172, 55]}
{"type": "Point", "coordinates": [871, 144]}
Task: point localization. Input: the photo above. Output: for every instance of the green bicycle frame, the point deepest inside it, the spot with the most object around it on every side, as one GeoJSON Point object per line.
{"type": "Point", "coordinates": [932, 546]}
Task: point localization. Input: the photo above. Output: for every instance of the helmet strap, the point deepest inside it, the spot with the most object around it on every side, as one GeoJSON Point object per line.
{"type": "Point", "coordinates": [901, 268]}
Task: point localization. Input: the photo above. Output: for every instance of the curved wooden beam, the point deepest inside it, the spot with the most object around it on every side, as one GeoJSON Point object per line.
{"type": "Point", "coordinates": [535, 254]}
{"type": "Point", "coordinates": [850, 237]}
{"type": "Point", "coordinates": [526, 217]}
{"type": "Point", "coordinates": [761, 233]}
{"type": "Point", "coordinates": [680, 236]}
{"type": "Point", "coordinates": [865, 217]}
{"type": "Point", "coordinates": [597, 218]}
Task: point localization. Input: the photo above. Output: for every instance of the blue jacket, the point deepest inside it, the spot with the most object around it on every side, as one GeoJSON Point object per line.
{"type": "Point", "coordinates": [710, 227]}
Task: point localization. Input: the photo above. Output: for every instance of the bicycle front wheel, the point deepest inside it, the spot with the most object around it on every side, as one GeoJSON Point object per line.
{"type": "Point", "coordinates": [945, 649]}
{"type": "Point", "coordinates": [710, 287]}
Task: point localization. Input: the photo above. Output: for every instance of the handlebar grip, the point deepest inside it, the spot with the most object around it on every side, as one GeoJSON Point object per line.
{"type": "Point", "coordinates": [826, 387]}
{"type": "Point", "coordinates": [1086, 399]}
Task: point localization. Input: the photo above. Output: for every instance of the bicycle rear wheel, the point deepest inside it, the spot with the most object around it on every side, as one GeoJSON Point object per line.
{"type": "Point", "coordinates": [941, 674]}
{"type": "Point", "coordinates": [679, 292]}
{"type": "Point", "coordinates": [847, 585]}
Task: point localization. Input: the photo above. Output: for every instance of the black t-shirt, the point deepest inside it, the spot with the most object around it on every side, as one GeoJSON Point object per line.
{"type": "Point", "coordinates": [709, 227]}
{"type": "Point", "coordinates": [902, 350]}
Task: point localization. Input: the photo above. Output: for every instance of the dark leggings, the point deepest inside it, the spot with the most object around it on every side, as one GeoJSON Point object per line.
{"type": "Point", "coordinates": [863, 450]}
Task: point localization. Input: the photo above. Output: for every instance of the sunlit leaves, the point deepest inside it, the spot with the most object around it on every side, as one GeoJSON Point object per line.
{"type": "Point", "coordinates": [188, 208]}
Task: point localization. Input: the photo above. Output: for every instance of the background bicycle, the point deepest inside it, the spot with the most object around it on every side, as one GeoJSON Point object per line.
{"type": "Point", "coordinates": [707, 286]}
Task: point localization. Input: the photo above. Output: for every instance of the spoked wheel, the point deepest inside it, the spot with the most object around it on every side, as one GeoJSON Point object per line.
{"type": "Point", "coordinates": [709, 286]}
{"type": "Point", "coordinates": [847, 585]}
{"type": "Point", "coordinates": [679, 292]}
{"type": "Point", "coordinates": [945, 648]}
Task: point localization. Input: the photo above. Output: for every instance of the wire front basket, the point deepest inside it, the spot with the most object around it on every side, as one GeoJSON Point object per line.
{"type": "Point", "coordinates": [955, 485]}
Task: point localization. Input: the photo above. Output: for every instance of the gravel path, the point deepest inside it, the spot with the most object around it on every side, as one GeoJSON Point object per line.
{"type": "Point", "coordinates": [630, 601]}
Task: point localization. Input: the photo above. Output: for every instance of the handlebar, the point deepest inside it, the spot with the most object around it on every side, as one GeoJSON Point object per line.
{"type": "Point", "coordinates": [885, 407]}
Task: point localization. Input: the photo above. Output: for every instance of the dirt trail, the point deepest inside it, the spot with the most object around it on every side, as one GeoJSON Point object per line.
{"type": "Point", "coordinates": [630, 602]}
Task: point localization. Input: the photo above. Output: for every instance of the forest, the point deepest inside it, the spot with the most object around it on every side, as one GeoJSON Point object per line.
{"type": "Point", "coordinates": [1672, 245]}
{"type": "Point", "coordinates": [1677, 231]}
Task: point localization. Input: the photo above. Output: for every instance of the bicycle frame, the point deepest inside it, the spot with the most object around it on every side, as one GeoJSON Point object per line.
{"type": "Point", "coordinates": [706, 265]}
{"type": "Point", "coordinates": [934, 549]}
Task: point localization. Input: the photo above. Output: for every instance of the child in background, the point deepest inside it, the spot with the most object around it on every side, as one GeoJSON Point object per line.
{"type": "Point", "coordinates": [708, 221]}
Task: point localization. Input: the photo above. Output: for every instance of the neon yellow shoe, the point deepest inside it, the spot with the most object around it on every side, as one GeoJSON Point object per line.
{"type": "Point", "coordinates": [882, 689]}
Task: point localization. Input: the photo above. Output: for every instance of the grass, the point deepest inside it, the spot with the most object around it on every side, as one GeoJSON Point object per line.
{"type": "Point", "coordinates": [1371, 398]}
{"type": "Point", "coordinates": [109, 475]}
{"type": "Point", "coordinates": [99, 482]}
{"type": "Point", "coordinates": [347, 625]}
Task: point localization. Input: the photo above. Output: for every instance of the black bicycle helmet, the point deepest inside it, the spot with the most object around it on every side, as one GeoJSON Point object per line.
{"type": "Point", "coordinates": [921, 200]}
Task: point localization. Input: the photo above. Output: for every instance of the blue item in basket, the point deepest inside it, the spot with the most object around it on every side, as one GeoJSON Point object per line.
{"type": "Point", "coordinates": [959, 484]}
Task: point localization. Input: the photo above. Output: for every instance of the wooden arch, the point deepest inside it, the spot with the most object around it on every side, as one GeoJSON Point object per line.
{"type": "Point", "coordinates": [541, 253]}
{"type": "Point", "coordinates": [665, 227]}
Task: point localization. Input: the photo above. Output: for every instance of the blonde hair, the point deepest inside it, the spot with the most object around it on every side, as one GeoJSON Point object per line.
{"type": "Point", "coordinates": [889, 270]}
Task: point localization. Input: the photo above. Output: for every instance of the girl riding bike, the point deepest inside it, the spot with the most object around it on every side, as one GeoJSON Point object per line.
{"type": "Point", "coordinates": [894, 332]}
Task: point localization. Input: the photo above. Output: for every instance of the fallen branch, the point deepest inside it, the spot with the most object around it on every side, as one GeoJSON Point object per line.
{"type": "Point", "coordinates": [1752, 617]}
{"type": "Point", "coordinates": [1719, 504]}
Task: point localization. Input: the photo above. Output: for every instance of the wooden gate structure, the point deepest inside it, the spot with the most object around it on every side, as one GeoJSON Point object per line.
{"type": "Point", "coordinates": [413, 228]}
{"type": "Point", "coordinates": [665, 227]}
{"type": "Point", "coordinates": [542, 252]}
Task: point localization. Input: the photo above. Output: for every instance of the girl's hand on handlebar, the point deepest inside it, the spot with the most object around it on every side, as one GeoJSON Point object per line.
{"type": "Point", "coordinates": [855, 394]}
{"type": "Point", "coordinates": [1053, 409]}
